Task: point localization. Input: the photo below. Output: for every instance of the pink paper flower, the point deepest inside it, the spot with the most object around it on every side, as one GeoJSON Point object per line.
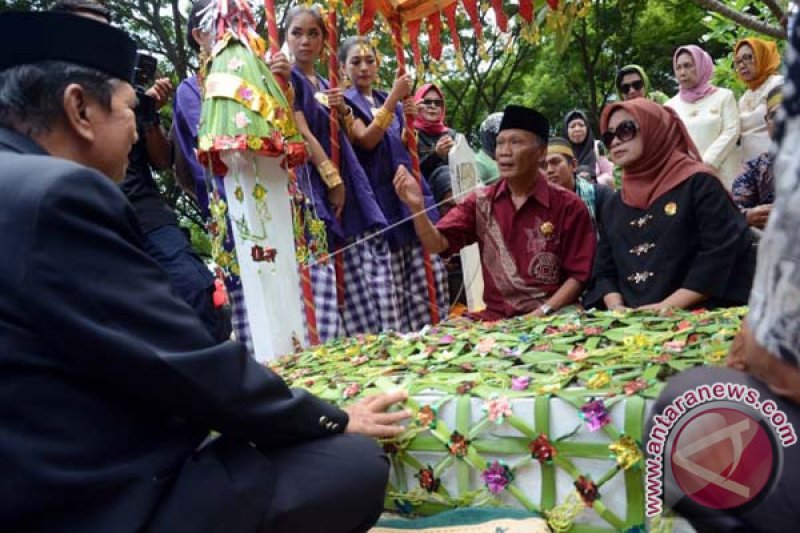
{"type": "Point", "coordinates": [235, 64]}
{"type": "Point", "coordinates": [520, 382]}
{"type": "Point", "coordinates": [351, 390]}
{"type": "Point", "coordinates": [497, 477]}
{"type": "Point", "coordinates": [498, 408]}
{"type": "Point", "coordinates": [485, 345]}
{"type": "Point", "coordinates": [595, 414]}
{"type": "Point", "coordinates": [674, 346]}
{"type": "Point", "coordinates": [578, 353]}
{"type": "Point", "coordinates": [241, 120]}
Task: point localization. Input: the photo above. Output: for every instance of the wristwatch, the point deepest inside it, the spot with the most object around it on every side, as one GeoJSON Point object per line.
{"type": "Point", "coordinates": [546, 309]}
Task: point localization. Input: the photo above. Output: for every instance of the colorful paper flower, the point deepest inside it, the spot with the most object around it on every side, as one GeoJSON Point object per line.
{"type": "Point", "coordinates": [457, 445]}
{"type": "Point", "coordinates": [626, 451]}
{"type": "Point", "coordinates": [245, 93]}
{"type": "Point", "coordinates": [635, 385]}
{"type": "Point", "coordinates": [497, 477]}
{"type": "Point", "coordinates": [240, 120]}
{"type": "Point", "coordinates": [426, 416]}
{"type": "Point", "coordinates": [427, 479]}
{"type": "Point", "coordinates": [595, 414]}
{"type": "Point", "coordinates": [234, 64]}
{"type": "Point", "coordinates": [592, 330]}
{"type": "Point", "coordinates": [497, 408]}
{"type": "Point", "coordinates": [351, 390]}
{"type": "Point", "coordinates": [598, 380]}
{"type": "Point", "coordinates": [578, 353]}
{"type": "Point", "coordinates": [587, 490]}
{"type": "Point", "coordinates": [674, 346]}
{"type": "Point", "coordinates": [542, 449]}
{"type": "Point", "coordinates": [465, 387]}
{"type": "Point", "coordinates": [683, 325]}
{"type": "Point", "coordinates": [520, 382]}
{"type": "Point", "coordinates": [446, 339]}
{"type": "Point", "coordinates": [485, 345]}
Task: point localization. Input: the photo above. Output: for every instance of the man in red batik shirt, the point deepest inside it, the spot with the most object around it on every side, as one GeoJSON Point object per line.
{"type": "Point", "coordinates": [536, 239]}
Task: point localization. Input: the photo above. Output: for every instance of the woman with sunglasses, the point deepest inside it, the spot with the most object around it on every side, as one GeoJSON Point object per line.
{"type": "Point", "coordinates": [756, 62]}
{"type": "Point", "coordinates": [709, 113]}
{"type": "Point", "coordinates": [671, 237]}
{"type": "Point", "coordinates": [632, 82]}
{"type": "Point", "coordinates": [374, 122]}
{"type": "Point", "coordinates": [342, 198]}
{"type": "Point", "coordinates": [434, 142]}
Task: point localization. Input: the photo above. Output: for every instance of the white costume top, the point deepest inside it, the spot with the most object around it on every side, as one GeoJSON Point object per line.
{"type": "Point", "coordinates": [752, 108]}
{"type": "Point", "coordinates": [713, 124]}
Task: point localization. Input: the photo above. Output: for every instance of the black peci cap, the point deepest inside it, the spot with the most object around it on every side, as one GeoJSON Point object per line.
{"type": "Point", "coordinates": [30, 37]}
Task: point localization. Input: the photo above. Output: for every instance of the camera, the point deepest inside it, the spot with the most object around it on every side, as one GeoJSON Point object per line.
{"type": "Point", "coordinates": [143, 78]}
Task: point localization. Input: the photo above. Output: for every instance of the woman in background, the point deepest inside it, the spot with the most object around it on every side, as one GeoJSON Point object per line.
{"type": "Point", "coordinates": [709, 113]}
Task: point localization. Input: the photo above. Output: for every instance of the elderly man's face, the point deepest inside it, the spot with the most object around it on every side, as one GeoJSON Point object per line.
{"type": "Point", "coordinates": [518, 154]}
{"type": "Point", "coordinates": [110, 133]}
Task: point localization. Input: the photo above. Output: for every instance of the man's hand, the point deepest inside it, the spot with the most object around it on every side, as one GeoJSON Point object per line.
{"type": "Point", "coordinates": [160, 92]}
{"type": "Point", "coordinates": [369, 417]}
{"type": "Point", "coordinates": [279, 66]}
{"type": "Point", "coordinates": [443, 146]}
{"type": "Point", "coordinates": [748, 355]}
{"type": "Point", "coordinates": [408, 190]}
{"type": "Point", "coordinates": [757, 216]}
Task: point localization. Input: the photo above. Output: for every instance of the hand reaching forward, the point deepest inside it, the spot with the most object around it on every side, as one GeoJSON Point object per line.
{"type": "Point", "coordinates": [369, 417]}
{"type": "Point", "coordinates": [407, 188]}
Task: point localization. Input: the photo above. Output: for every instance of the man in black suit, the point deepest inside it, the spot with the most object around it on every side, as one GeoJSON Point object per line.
{"type": "Point", "coordinates": [109, 385]}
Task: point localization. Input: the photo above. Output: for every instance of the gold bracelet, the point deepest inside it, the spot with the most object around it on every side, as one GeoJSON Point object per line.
{"type": "Point", "coordinates": [349, 123]}
{"type": "Point", "coordinates": [383, 118]}
{"type": "Point", "coordinates": [329, 174]}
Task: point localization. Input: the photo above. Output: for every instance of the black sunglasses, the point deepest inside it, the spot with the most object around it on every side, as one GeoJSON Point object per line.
{"type": "Point", "coordinates": [432, 103]}
{"type": "Point", "coordinates": [636, 85]}
{"type": "Point", "coordinates": [626, 130]}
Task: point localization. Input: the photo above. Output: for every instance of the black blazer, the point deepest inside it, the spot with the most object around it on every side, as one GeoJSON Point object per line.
{"type": "Point", "coordinates": [108, 383]}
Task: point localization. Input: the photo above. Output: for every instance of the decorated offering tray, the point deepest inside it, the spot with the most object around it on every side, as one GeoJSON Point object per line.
{"type": "Point", "coordinates": [546, 414]}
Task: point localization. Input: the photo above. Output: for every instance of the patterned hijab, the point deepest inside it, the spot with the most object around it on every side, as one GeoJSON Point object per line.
{"type": "Point", "coordinates": [767, 59]}
{"type": "Point", "coordinates": [430, 127]}
{"type": "Point", "coordinates": [488, 133]}
{"type": "Point", "coordinates": [669, 156]}
{"type": "Point", "coordinates": [704, 66]}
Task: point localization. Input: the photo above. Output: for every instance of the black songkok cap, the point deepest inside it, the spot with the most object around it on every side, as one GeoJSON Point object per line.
{"type": "Point", "coordinates": [29, 37]}
{"type": "Point", "coordinates": [517, 117]}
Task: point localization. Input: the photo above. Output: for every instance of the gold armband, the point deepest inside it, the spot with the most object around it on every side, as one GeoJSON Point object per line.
{"type": "Point", "coordinates": [329, 174]}
{"type": "Point", "coordinates": [383, 118]}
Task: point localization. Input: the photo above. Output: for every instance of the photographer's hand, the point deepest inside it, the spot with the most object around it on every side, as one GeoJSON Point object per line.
{"type": "Point", "coordinates": [161, 92]}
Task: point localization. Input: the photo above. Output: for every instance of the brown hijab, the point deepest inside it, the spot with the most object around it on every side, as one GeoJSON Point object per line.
{"type": "Point", "coordinates": [669, 156]}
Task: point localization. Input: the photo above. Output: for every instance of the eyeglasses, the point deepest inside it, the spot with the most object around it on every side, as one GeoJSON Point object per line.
{"type": "Point", "coordinates": [636, 85]}
{"type": "Point", "coordinates": [433, 103]}
{"type": "Point", "coordinates": [745, 59]}
{"type": "Point", "coordinates": [626, 130]}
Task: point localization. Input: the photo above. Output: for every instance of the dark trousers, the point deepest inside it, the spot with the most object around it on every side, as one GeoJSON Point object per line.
{"type": "Point", "coordinates": [329, 485]}
{"type": "Point", "coordinates": [189, 277]}
{"type": "Point", "coordinates": [780, 509]}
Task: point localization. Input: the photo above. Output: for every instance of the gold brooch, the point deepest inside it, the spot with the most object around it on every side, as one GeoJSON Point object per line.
{"type": "Point", "coordinates": [547, 228]}
{"type": "Point", "coordinates": [322, 98]}
{"type": "Point", "coordinates": [671, 208]}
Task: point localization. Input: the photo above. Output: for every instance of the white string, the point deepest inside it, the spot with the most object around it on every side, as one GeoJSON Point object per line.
{"type": "Point", "coordinates": [381, 231]}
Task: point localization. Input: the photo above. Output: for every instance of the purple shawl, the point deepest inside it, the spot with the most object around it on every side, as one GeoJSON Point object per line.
{"type": "Point", "coordinates": [380, 165]}
{"type": "Point", "coordinates": [361, 211]}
